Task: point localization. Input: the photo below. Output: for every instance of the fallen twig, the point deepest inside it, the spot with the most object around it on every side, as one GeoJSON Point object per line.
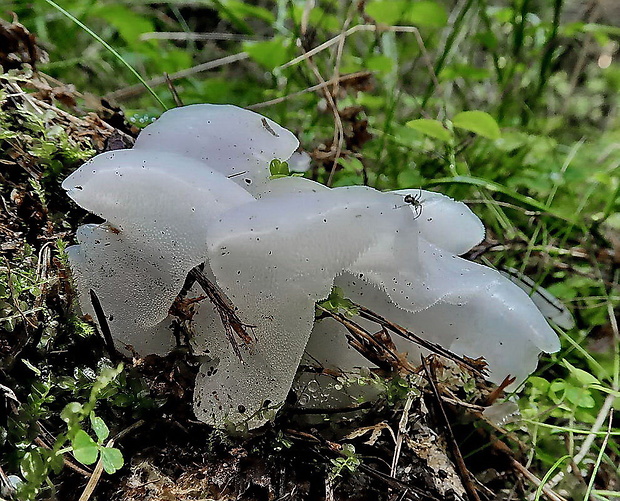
{"type": "Point", "coordinates": [473, 365]}
{"type": "Point", "coordinates": [98, 471]}
{"type": "Point", "coordinates": [67, 462]}
{"type": "Point", "coordinates": [94, 479]}
{"type": "Point", "coordinates": [378, 352]}
{"type": "Point", "coordinates": [402, 430]}
{"type": "Point", "coordinates": [345, 34]}
{"type": "Point", "coordinates": [331, 81]}
{"type": "Point", "coordinates": [231, 322]}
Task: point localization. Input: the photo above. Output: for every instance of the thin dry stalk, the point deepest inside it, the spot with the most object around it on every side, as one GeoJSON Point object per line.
{"type": "Point", "coordinates": [426, 57]}
{"type": "Point", "coordinates": [226, 310]}
{"type": "Point", "coordinates": [196, 37]}
{"type": "Point", "coordinates": [402, 431]}
{"type": "Point", "coordinates": [331, 81]}
{"type": "Point", "coordinates": [339, 52]}
{"type": "Point", "coordinates": [135, 90]}
{"type": "Point", "coordinates": [345, 34]}
{"type": "Point", "coordinates": [472, 365]}
{"type": "Point", "coordinates": [98, 471]}
{"type": "Point", "coordinates": [65, 459]}
{"type": "Point", "coordinates": [334, 92]}
{"type": "Point", "coordinates": [366, 344]}
{"type": "Point", "coordinates": [338, 138]}
{"type": "Point", "coordinates": [175, 95]}
{"type": "Point", "coordinates": [466, 476]}
{"type": "Point", "coordinates": [95, 477]}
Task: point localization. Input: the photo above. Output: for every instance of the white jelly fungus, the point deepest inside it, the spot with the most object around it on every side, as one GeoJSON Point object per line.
{"type": "Point", "coordinates": [196, 189]}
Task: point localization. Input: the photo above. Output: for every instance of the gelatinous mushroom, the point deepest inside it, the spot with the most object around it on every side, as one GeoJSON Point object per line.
{"type": "Point", "coordinates": [196, 189]}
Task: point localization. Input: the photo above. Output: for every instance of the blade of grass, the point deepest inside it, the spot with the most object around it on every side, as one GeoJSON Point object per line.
{"type": "Point", "coordinates": [609, 206]}
{"type": "Point", "coordinates": [235, 20]}
{"type": "Point", "coordinates": [493, 186]}
{"type": "Point", "coordinates": [584, 353]}
{"type": "Point", "coordinates": [576, 431]}
{"type": "Point", "coordinates": [111, 49]}
{"type": "Point", "coordinates": [599, 458]}
{"type": "Point", "coordinates": [441, 60]}
{"type": "Point", "coordinates": [547, 57]}
{"type": "Point", "coordinates": [544, 480]}
{"type": "Point", "coordinates": [612, 494]}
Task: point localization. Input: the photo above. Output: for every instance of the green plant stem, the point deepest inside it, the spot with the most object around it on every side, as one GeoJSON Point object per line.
{"type": "Point", "coordinates": [550, 45]}
{"type": "Point", "coordinates": [519, 21]}
{"type": "Point", "coordinates": [235, 20]}
{"type": "Point", "coordinates": [441, 60]}
{"type": "Point", "coordinates": [482, 11]}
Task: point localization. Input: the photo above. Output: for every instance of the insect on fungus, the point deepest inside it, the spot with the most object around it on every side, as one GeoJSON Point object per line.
{"type": "Point", "coordinates": [416, 203]}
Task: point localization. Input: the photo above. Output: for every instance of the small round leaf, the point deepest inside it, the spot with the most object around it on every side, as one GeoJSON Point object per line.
{"type": "Point", "coordinates": [85, 449]}
{"type": "Point", "coordinates": [432, 128]}
{"type": "Point", "coordinates": [112, 459]}
{"type": "Point", "coordinates": [99, 427]}
{"type": "Point", "coordinates": [478, 122]}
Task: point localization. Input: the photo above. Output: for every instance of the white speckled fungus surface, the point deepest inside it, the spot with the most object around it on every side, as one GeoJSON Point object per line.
{"type": "Point", "coordinates": [196, 189]}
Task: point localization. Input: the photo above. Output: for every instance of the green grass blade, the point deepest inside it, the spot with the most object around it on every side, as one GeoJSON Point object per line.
{"type": "Point", "coordinates": [599, 459]}
{"type": "Point", "coordinates": [547, 476]}
{"type": "Point", "coordinates": [108, 47]}
{"type": "Point", "coordinates": [576, 431]}
{"type": "Point", "coordinates": [493, 186]}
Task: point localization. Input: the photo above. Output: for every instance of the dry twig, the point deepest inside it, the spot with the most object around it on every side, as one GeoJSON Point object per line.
{"type": "Point", "coordinates": [472, 365]}
{"type": "Point", "coordinates": [322, 85]}
{"type": "Point", "coordinates": [98, 471]}
{"type": "Point", "coordinates": [380, 352]}
{"type": "Point", "coordinates": [402, 430]}
{"type": "Point", "coordinates": [546, 490]}
{"type": "Point", "coordinates": [231, 322]}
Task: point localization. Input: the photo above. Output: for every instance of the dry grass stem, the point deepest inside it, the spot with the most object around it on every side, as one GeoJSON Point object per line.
{"type": "Point", "coordinates": [331, 81]}
{"type": "Point", "coordinates": [135, 90]}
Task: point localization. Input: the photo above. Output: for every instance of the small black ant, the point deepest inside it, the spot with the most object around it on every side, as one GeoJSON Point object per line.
{"type": "Point", "coordinates": [416, 203]}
